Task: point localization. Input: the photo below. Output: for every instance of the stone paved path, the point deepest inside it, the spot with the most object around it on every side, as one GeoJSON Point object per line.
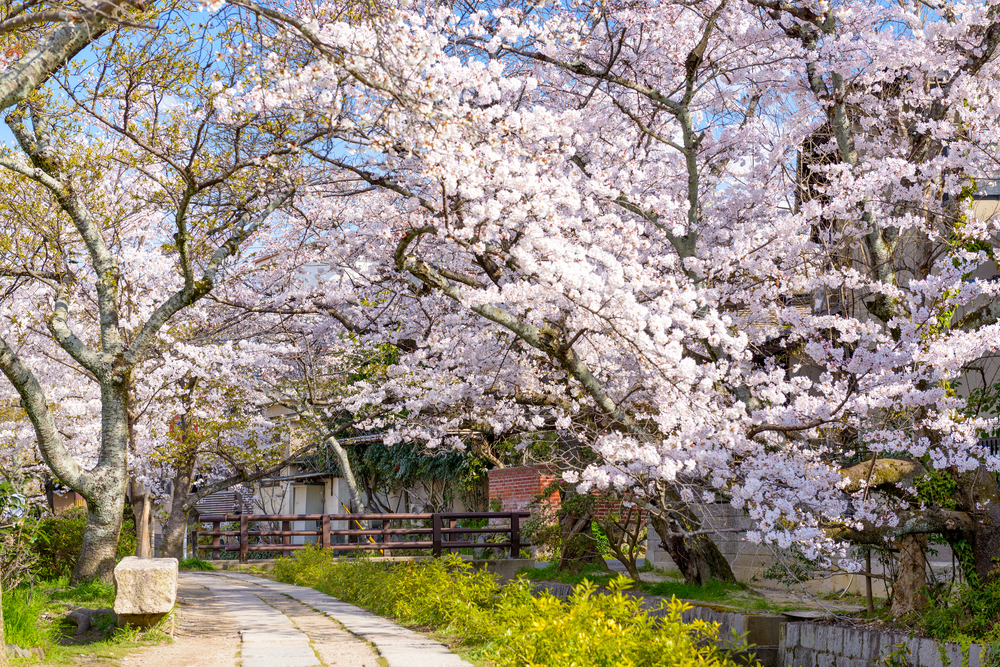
{"type": "Point", "coordinates": [281, 625]}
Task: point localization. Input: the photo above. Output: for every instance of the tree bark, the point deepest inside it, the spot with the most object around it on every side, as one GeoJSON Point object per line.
{"type": "Point", "coordinates": [579, 548]}
{"type": "Point", "coordinates": [173, 533]}
{"type": "Point", "coordinates": [180, 510]}
{"type": "Point", "coordinates": [909, 590]}
{"type": "Point", "coordinates": [981, 494]}
{"type": "Point", "coordinates": [696, 556]}
{"type": "Point", "coordinates": [345, 468]}
{"type": "Point", "coordinates": [105, 494]}
{"type": "Point", "coordinates": [100, 536]}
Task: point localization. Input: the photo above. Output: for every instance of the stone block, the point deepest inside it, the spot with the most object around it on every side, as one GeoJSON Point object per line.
{"type": "Point", "coordinates": [820, 638]}
{"type": "Point", "coordinates": [975, 655]}
{"type": "Point", "coordinates": [872, 644]}
{"type": "Point", "coordinates": [807, 635]}
{"type": "Point", "coordinates": [791, 634]}
{"type": "Point", "coordinates": [844, 661]}
{"type": "Point", "coordinates": [854, 646]}
{"type": "Point", "coordinates": [802, 657]}
{"type": "Point", "coordinates": [952, 655]}
{"type": "Point", "coordinates": [834, 640]}
{"type": "Point", "coordinates": [15, 651]}
{"type": "Point", "coordinates": [145, 590]}
{"type": "Point", "coordinates": [928, 654]}
{"type": "Point", "coordinates": [825, 660]}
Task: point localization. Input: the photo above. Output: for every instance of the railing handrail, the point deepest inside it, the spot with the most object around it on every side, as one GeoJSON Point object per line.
{"type": "Point", "coordinates": [443, 532]}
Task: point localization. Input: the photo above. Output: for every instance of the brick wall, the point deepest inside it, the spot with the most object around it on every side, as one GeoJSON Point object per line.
{"type": "Point", "coordinates": [608, 505]}
{"type": "Point", "coordinates": [517, 487]}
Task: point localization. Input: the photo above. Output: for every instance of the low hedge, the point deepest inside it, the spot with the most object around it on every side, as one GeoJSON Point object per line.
{"type": "Point", "coordinates": [58, 540]}
{"type": "Point", "coordinates": [510, 625]}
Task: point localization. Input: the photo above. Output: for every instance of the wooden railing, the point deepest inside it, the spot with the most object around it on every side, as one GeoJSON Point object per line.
{"type": "Point", "coordinates": [443, 533]}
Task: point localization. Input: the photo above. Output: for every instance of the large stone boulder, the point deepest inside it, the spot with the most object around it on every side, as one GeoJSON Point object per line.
{"type": "Point", "coordinates": [145, 590]}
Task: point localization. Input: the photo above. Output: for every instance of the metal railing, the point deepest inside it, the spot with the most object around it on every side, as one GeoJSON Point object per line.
{"type": "Point", "coordinates": [442, 535]}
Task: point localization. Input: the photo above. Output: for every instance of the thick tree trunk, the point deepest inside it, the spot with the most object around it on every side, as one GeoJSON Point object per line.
{"type": "Point", "coordinates": [180, 510]}
{"type": "Point", "coordinates": [909, 593]}
{"type": "Point", "coordinates": [105, 494]}
{"type": "Point", "coordinates": [173, 534]}
{"type": "Point", "coordinates": [986, 545]}
{"type": "Point", "coordinates": [697, 556]}
{"type": "Point", "coordinates": [980, 494]}
{"type": "Point", "coordinates": [100, 537]}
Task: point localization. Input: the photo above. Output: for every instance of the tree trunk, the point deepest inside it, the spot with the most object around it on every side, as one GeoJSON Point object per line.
{"type": "Point", "coordinates": [105, 494]}
{"type": "Point", "coordinates": [909, 593]}
{"type": "Point", "coordinates": [176, 526]}
{"type": "Point", "coordinates": [579, 548]}
{"type": "Point", "coordinates": [697, 556]}
{"type": "Point", "coordinates": [173, 534]}
{"type": "Point", "coordinates": [100, 537]}
{"type": "Point", "coordinates": [345, 468]}
{"type": "Point", "coordinates": [980, 494]}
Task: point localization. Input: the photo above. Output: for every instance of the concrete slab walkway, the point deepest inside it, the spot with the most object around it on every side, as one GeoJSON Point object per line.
{"type": "Point", "coordinates": [282, 625]}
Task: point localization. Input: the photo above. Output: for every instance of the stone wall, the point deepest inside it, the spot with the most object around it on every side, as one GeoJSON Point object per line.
{"type": "Point", "coordinates": [820, 645]}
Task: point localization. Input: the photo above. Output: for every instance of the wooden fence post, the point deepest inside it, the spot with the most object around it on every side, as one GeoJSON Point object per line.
{"type": "Point", "coordinates": [216, 539]}
{"type": "Point", "coordinates": [286, 539]}
{"type": "Point", "coordinates": [193, 539]}
{"type": "Point", "coordinates": [436, 535]}
{"type": "Point", "coordinates": [326, 531]}
{"type": "Point", "coordinates": [515, 535]}
{"type": "Point", "coordinates": [244, 538]}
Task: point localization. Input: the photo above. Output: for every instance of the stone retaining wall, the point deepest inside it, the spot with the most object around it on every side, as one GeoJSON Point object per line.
{"type": "Point", "coordinates": [820, 645]}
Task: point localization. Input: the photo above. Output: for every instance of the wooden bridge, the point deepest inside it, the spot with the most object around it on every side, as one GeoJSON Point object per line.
{"type": "Point", "coordinates": [260, 532]}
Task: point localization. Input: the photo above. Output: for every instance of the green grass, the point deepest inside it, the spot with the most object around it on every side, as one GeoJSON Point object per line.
{"type": "Point", "coordinates": [21, 612]}
{"type": "Point", "coordinates": [713, 591]}
{"type": "Point", "coordinates": [196, 564]}
{"type": "Point", "coordinates": [592, 573]}
{"type": "Point", "coordinates": [34, 617]}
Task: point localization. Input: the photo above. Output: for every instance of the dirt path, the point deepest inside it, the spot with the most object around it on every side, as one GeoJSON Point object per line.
{"type": "Point", "coordinates": [205, 634]}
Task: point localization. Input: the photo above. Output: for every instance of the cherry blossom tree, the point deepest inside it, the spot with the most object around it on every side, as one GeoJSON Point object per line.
{"type": "Point", "coordinates": [152, 200]}
{"type": "Point", "coordinates": [733, 246]}
{"type": "Point", "coordinates": [37, 39]}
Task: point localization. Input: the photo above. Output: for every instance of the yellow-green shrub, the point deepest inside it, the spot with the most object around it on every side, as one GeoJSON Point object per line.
{"type": "Point", "coordinates": [509, 625]}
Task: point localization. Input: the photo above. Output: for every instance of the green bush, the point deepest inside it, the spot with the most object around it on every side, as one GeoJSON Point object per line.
{"type": "Point", "coordinates": [509, 625]}
{"type": "Point", "coordinates": [966, 611]}
{"type": "Point", "coordinates": [60, 538]}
